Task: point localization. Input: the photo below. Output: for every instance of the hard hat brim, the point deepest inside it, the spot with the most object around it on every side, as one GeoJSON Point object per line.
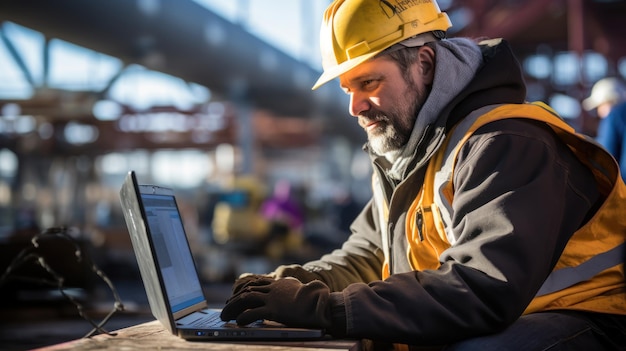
{"type": "Point", "coordinates": [606, 90]}
{"type": "Point", "coordinates": [338, 70]}
{"type": "Point", "coordinates": [590, 103]}
{"type": "Point", "coordinates": [344, 67]}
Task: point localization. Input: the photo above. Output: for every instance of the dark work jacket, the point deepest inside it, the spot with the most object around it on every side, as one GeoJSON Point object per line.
{"type": "Point", "coordinates": [523, 195]}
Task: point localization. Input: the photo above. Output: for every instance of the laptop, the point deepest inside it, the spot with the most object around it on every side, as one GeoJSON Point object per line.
{"type": "Point", "coordinates": [170, 277]}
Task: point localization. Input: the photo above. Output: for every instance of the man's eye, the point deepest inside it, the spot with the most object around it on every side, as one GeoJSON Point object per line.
{"type": "Point", "coordinates": [367, 83]}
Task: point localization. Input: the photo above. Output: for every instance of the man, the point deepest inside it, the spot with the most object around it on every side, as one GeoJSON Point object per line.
{"type": "Point", "coordinates": [608, 98]}
{"type": "Point", "coordinates": [492, 226]}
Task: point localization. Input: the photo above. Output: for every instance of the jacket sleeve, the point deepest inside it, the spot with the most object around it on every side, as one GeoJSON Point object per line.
{"type": "Point", "coordinates": [359, 259]}
{"type": "Point", "coordinates": [519, 196]}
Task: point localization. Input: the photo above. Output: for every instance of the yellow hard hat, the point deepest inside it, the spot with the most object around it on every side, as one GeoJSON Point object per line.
{"type": "Point", "coordinates": [356, 30]}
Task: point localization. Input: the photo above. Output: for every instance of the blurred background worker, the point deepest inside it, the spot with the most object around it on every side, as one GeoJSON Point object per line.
{"type": "Point", "coordinates": [608, 98]}
{"type": "Point", "coordinates": [249, 222]}
{"type": "Point", "coordinates": [236, 216]}
{"type": "Point", "coordinates": [286, 220]}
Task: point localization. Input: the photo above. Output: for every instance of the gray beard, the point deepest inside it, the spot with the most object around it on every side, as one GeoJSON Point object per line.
{"type": "Point", "coordinates": [387, 141]}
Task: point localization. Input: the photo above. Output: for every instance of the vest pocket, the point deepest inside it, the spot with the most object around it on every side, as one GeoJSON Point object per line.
{"type": "Point", "coordinates": [425, 244]}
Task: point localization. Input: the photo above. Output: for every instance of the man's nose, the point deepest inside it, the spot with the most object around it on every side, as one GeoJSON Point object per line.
{"type": "Point", "coordinates": [358, 104]}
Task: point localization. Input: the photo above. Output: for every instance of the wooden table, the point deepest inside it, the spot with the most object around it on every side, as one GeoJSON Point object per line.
{"type": "Point", "coordinates": [152, 336]}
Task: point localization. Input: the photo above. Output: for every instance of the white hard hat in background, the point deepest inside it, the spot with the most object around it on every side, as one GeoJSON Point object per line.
{"type": "Point", "coordinates": [610, 90]}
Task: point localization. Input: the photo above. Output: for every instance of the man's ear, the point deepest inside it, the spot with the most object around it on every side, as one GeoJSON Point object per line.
{"type": "Point", "coordinates": [426, 61]}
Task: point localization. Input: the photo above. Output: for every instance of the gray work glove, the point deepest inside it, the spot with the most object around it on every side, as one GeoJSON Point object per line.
{"type": "Point", "coordinates": [286, 301]}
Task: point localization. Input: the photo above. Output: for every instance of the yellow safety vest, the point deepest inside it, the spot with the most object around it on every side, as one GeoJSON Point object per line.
{"type": "Point", "coordinates": [589, 274]}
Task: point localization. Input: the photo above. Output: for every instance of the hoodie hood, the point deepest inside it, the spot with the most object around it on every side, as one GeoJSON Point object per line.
{"type": "Point", "coordinates": [456, 62]}
{"type": "Point", "coordinates": [467, 77]}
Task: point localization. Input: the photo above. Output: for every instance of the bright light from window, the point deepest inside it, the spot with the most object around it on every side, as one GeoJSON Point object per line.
{"type": "Point", "coordinates": [225, 158]}
{"type": "Point", "coordinates": [595, 66]}
{"type": "Point", "coordinates": [13, 84]}
{"type": "Point", "coordinates": [77, 68]}
{"type": "Point", "coordinates": [77, 133]}
{"type": "Point", "coordinates": [566, 106]}
{"type": "Point", "coordinates": [12, 121]}
{"type": "Point", "coordinates": [117, 163]}
{"type": "Point", "coordinates": [11, 110]}
{"type": "Point", "coordinates": [107, 110]}
{"type": "Point", "coordinates": [292, 26]}
{"type": "Point", "coordinates": [25, 124]}
{"type": "Point", "coordinates": [114, 163]}
{"type": "Point", "coordinates": [566, 69]}
{"type": "Point", "coordinates": [259, 13]}
{"type": "Point", "coordinates": [8, 163]}
{"type": "Point", "coordinates": [155, 122]}
{"type": "Point", "coordinates": [199, 93]}
{"type": "Point", "coordinates": [30, 46]}
{"type": "Point", "coordinates": [538, 66]}
{"type": "Point", "coordinates": [142, 89]}
{"type": "Point", "coordinates": [184, 168]}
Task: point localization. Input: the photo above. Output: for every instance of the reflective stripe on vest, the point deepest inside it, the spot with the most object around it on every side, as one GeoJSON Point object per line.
{"type": "Point", "coordinates": [383, 217]}
{"type": "Point", "coordinates": [568, 276]}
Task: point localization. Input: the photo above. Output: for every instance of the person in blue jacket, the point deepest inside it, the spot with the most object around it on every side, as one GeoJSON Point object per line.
{"type": "Point", "coordinates": [608, 98]}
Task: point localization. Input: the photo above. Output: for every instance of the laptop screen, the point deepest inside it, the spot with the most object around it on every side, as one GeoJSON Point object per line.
{"type": "Point", "coordinates": [172, 250]}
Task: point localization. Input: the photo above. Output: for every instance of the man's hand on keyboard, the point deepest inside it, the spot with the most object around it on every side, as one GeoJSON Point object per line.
{"type": "Point", "coordinates": [285, 300]}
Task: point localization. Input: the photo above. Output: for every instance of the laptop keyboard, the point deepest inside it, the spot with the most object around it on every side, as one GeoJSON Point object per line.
{"type": "Point", "coordinates": [211, 320]}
